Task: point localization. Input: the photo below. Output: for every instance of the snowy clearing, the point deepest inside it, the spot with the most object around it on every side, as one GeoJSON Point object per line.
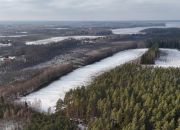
{"type": "Point", "coordinates": [168, 58]}
{"type": "Point", "coordinates": [47, 97]}
{"type": "Point", "coordinates": [58, 39]}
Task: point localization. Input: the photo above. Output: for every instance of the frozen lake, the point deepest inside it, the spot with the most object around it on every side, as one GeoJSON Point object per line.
{"type": "Point", "coordinates": [47, 97]}
{"type": "Point", "coordinates": [137, 30]}
{"type": "Point", "coordinates": [169, 58]}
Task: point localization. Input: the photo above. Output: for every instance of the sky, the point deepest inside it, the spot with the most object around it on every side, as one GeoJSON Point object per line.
{"type": "Point", "coordinates": [85, 10]}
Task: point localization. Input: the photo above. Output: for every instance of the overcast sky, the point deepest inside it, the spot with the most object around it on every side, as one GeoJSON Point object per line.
{"type": "Point", "coordinates": [89, 10]}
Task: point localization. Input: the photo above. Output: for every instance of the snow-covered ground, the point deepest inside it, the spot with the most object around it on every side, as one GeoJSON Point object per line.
{"type": "Point", "coordinates": [10, 125]}
{"type": "Point", "coordinates": [47, 97]}
{"type": "Point", "coordinates": [4, 45]}
{"type": "Point", "coordinates": [23, 32]}
{"type": "Point", "coordinates": [7, 58]}
{"type": "Point", "coordinates": [59, 28]}
{"type": "Point", "coordinates": [168, 58]}
{"type": "Point", "coordinates": [82, 127]}
{"type": "Point", "coordinates": [12, 36]}
{"type": "Point", "coordinates": [58, 39]}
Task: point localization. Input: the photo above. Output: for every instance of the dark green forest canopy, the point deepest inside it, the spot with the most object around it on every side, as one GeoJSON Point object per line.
{"type": "Point", "coordinates": [160, 33]}
{"type": "Point", "coordinates": [151, 55]}
{"type": "Point", "coordinates": [164, 37]}
{"type": "Point", "coordinates": [55, 121]}
{"type": "Point", "coordinates": [131, 97]}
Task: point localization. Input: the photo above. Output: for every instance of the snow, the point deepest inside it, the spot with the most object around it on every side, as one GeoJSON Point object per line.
{"type": "Point", "coordinates": [24, 32]}
{"type": "Point", "coordinates": [59, 28]}
{"type": "Point", "coordinates": [5, 58]}
{"type": "Point", "coordinates": [10, 125]}
{"type": "Point", "coordinates": [47, 97]}
{"type": "Point", "coordinates": [168, 58]}
{"type": "Point", "coordinates": [12, 36]}
{"type": "Point", "coordinates": [4, 45]}
{"type": "Point", "coordinates": [58, 39]}
{"type": "Point", "coordinates": [82, 127]}
{"type": "Point", "coordinates": [12, 57]}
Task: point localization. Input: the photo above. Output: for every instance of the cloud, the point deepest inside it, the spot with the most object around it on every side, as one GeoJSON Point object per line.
{"type": "Point", "coordinates": [89, 9]}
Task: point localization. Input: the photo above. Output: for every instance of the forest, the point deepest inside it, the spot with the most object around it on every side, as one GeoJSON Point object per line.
{"type": "Point", "coordinates": [165, 38]}
{"type": "Point", "coordinates": [28, 119]}
{"type": "Point", "coordinates": [151, 55]}
{"type": "Point", "coordinates": [35, 66]}
{"type": "Point", "coordinates": [131, 97]}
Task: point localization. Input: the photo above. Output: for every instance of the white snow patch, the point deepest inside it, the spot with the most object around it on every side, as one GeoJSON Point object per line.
{"type": "Point", "coordinates": [82, 127]}
{"type": "Point", "coordinates": [12, 36]}
{"type": "Point", "coordinates": [12, 57]}
{"type": "Point", "coordinates": [10, 125]}
{"type": "Point", "coordinates": [7, 58]}
{"type": "Point", "coordinates": [168, 58]}
{"type": "Point", "coordinates": [59, 28]}
{"type": "Point", "coordinates": [58, 39]}
{"type": "Point", "coordinates": [24, 32]}
{"type": "Point", "coordinates": [4, 45]}
{"type": "Point", "coordinates": [48, 96]}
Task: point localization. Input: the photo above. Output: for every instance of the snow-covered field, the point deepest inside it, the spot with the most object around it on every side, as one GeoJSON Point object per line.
{"type": "Point", "coordinates": [12, 36]}
{"type": "Point", "coordinates": [59, 28]}
{"type": "Point", "coordinates": [47, 97]}
{"type": "Point", "coordinates": [23, 32]}
{"type": "Point", "coordinates": [58, 39]}
{"type": "Point", "coordinates": [4, 45]}
{"type": "Point", "coordinates": [168, 58]}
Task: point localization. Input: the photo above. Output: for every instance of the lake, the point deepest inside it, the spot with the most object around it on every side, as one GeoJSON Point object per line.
{"type": "Point", "coordinates": [137, 30]}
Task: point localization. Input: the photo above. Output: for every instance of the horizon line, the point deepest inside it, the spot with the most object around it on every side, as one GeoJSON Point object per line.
{"type": "Point", "coordinates": [87, 20]}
